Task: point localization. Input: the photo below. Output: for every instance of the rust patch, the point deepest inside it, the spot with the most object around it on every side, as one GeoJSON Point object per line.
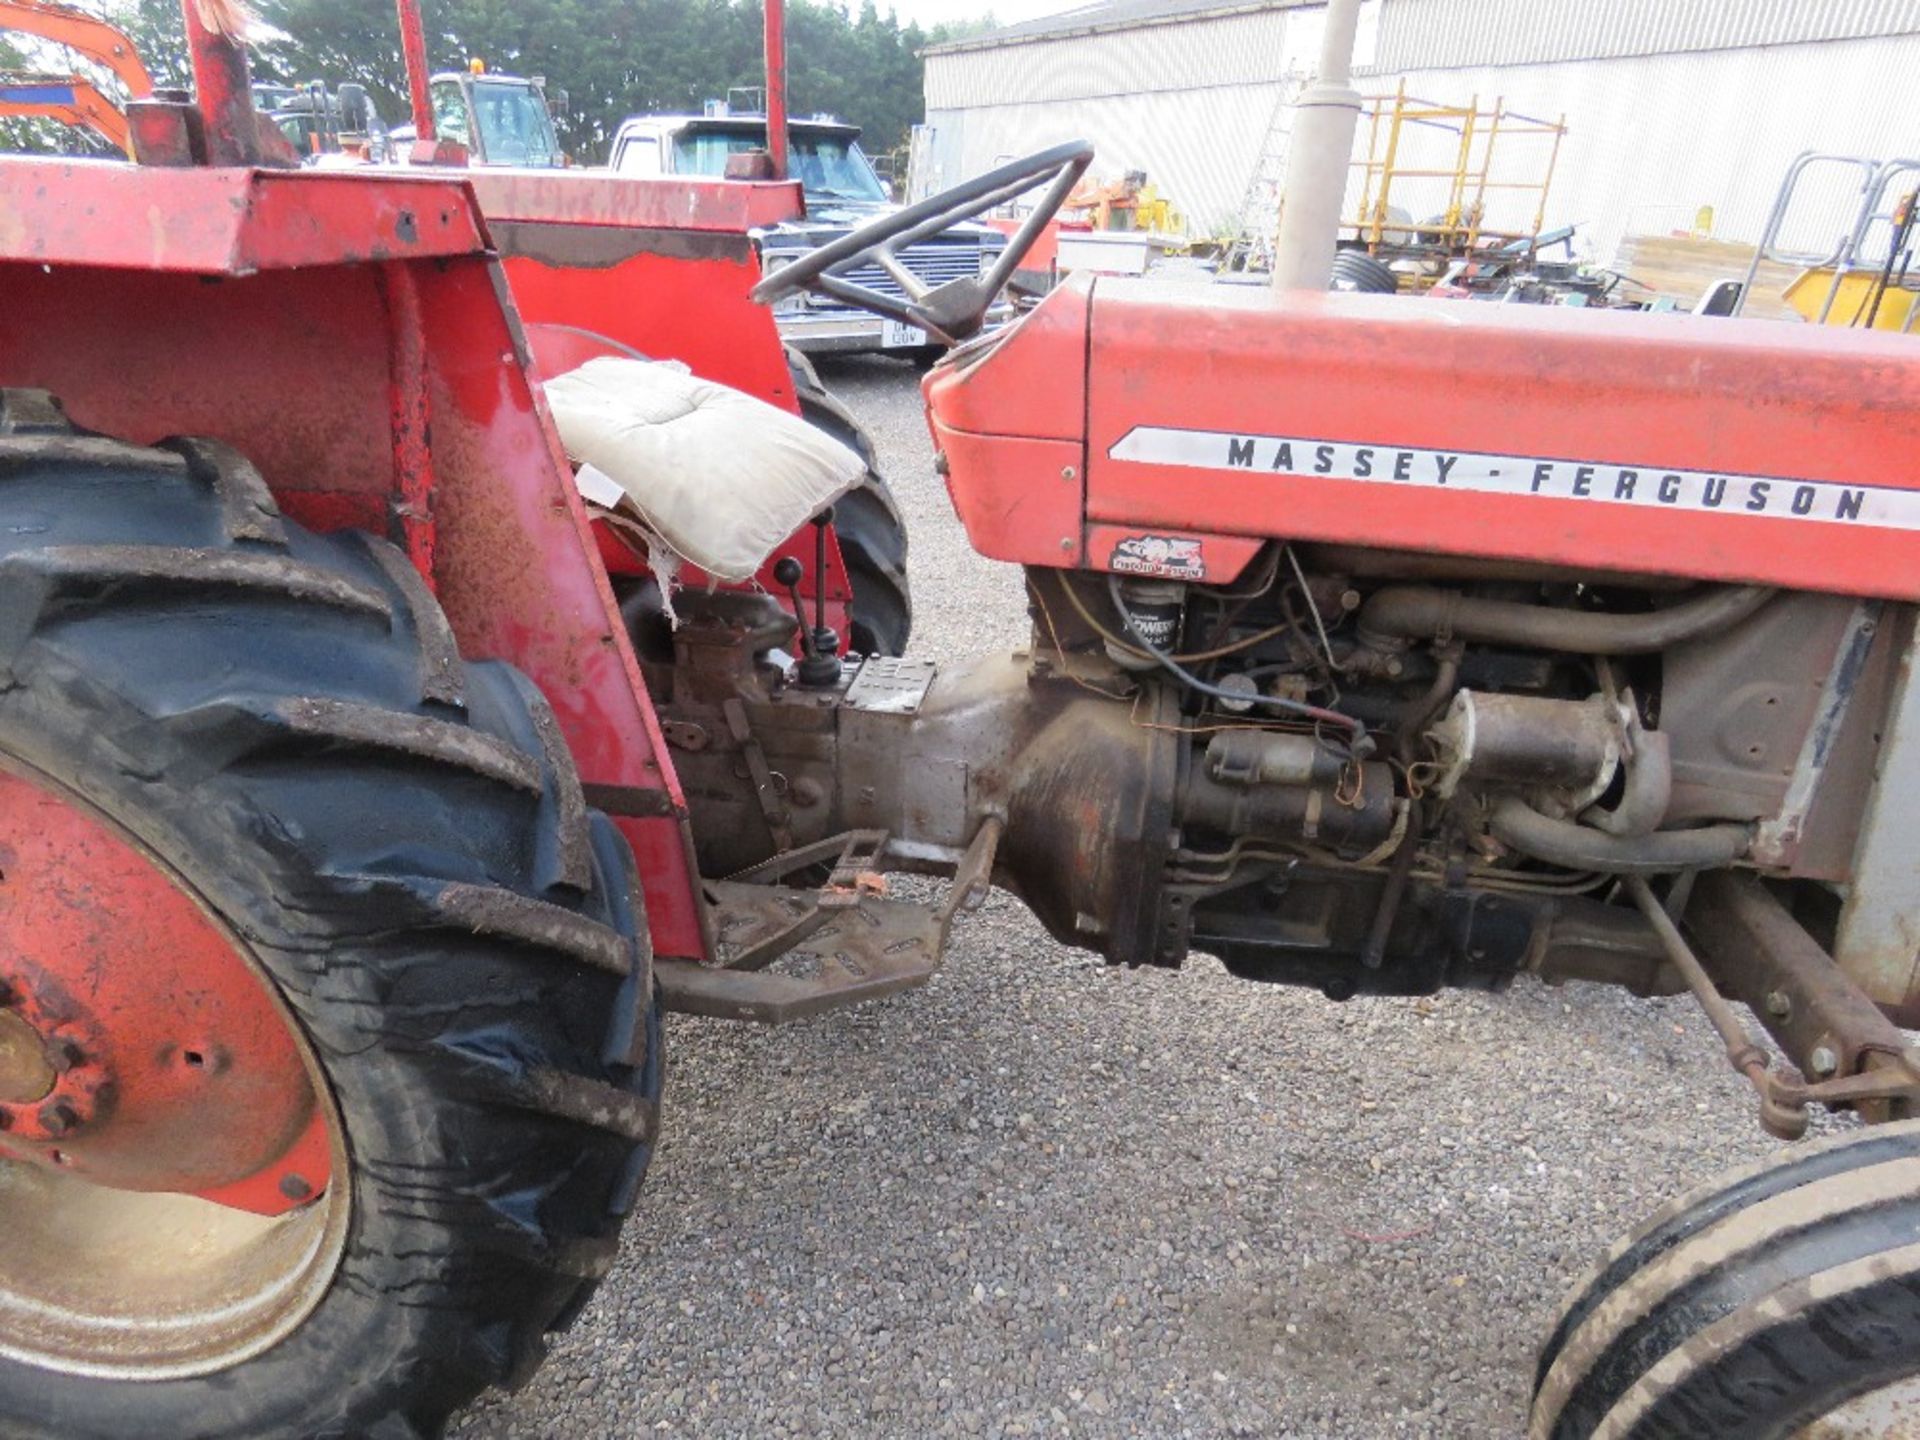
{"type": "Point", "coordinates": [600, 247]}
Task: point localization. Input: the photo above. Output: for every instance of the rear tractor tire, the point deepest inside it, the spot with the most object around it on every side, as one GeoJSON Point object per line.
{"type": "Point", "coordinates": [378, 852]}
{"type": "Point", "coordinates": [1781, 1301]}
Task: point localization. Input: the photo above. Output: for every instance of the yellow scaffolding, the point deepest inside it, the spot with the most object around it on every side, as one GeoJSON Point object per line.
{"type": "Point", "coordinates": [1404, 130]}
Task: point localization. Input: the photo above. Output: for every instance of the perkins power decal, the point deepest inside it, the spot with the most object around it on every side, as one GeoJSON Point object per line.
{"type": "Point", "coordinates": [1648, 486]}
{"type": "Point", "coordinates": [1164, 555]}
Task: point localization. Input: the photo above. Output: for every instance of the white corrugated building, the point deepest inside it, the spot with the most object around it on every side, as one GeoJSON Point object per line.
{"type": "Point", "coordinates": [1671, 105]}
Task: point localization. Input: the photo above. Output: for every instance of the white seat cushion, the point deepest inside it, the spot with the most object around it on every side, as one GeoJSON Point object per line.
{"type": "Point", "coordinates": [719, 476]}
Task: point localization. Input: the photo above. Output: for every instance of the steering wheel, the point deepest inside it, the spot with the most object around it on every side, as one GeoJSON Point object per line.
{"type": "Point", "coordinates": [957, 309]}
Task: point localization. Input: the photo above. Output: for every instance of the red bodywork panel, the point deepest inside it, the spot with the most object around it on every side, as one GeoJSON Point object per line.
{"type": "Point", "coordinates": [682, 204]}
{"type": "Point", "coordinates": [1009, 425]}
{"type": "Point", "coordinates": [1216, 415]}
{"type": "Point", "coordinates": [220, 222]}
{"type": "Point", "coordinates": [384, 383]}
{"type": "Point", "coordinates": [1045, 254]}
{"type": "Point", "coordinates": [660, 267]}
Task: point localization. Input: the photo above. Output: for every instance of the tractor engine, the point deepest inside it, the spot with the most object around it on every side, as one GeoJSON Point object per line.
{"type": "Point", "coordinates": [1354, 769]}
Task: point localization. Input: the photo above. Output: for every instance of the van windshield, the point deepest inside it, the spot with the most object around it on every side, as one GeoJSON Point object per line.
{"type": "Point", "coordinates": [828, 167]}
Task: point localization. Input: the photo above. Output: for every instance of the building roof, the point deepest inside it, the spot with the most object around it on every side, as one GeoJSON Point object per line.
{"type": "Point", "coordinates": [1448, 34]}
{"type": "Point", "coordinates": [1107, 15]}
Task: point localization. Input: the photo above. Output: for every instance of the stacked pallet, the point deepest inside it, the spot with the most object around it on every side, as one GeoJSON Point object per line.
{"type": "Point", "coordinates": [1683, 266]}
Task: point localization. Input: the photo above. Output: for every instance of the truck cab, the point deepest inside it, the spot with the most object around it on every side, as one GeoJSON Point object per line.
{"type": "Point", "coordinates": [842, 192]}
{"type": "Point", "coordinates": [501, 119]}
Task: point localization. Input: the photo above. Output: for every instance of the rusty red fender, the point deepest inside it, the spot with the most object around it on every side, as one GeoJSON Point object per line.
{"type": "Point", "coordinates": [352, 334]}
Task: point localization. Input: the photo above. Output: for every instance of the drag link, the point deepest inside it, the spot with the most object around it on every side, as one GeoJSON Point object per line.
{"type": "Point", "coordinates": [1781, 1118]}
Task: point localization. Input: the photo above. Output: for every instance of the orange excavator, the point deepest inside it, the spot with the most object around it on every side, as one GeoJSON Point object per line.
{"type": "Point", "coordinates": [72, 98]}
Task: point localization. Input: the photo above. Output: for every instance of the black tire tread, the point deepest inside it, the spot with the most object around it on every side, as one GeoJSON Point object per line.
{"type": "Point", "coordinates": [1355, 270]}
{"type": "Point", "coordinates": [489, 910]}
{"type": "Point", "coordinates": [439, 651]}
{"type": "Point", "coordinates": [247, 506]}
{"type": "Point", "coordinates": [40, 441]}
{"type": "Point", "coordinates": [1749, 1307]}
{"type": "Point", "coordinates": [1689, 1214]}
{"type": "Point", "coordinates": [347, 725]}
{"type": "Point", "coordinates": [1838, 1335]}
{"type": "Point", "coordinates": [102, 565]}
{"type": "Point", "coordinates": [496, 969]}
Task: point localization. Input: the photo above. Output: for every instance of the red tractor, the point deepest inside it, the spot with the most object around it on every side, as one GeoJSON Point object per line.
{"type": "Point", "coordinates": [362, 806]}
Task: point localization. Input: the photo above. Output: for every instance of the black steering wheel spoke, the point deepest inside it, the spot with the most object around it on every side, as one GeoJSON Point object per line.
{"type": "Point", "coordinates": [957, 309]}
{"type": "Point", "coordinates": [863, 298]}
{"type": "Point", "coordinates": [908, 281]}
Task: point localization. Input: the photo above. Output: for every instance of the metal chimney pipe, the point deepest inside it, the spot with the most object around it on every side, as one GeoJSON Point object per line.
{"type": "Point", "coordinates": [1318, 158]}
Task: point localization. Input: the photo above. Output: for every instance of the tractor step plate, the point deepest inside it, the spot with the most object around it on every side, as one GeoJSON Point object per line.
{"type": "Point", "coordinates": [785, 952]}
{"type": "Point", "coordinates": [859, 951]}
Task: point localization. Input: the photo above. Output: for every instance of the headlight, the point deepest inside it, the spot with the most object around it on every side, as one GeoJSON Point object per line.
{"type": "Point", "coordinates": [793, 304]}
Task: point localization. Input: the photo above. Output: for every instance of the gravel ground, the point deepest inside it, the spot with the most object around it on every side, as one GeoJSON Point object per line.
{"type": "Point", "coordinates": [1039, 1197]}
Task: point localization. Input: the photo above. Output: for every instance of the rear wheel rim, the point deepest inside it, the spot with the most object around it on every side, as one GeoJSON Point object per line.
{"type": "Point", "coordinates": [114, 1263]}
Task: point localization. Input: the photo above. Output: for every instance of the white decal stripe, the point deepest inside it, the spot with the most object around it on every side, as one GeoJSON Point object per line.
{"type": "Point", "coordinates": [1649, 486]}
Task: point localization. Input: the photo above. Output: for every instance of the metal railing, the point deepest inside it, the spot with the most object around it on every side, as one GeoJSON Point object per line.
{"type": "Point", "coordinates": [1857, 248]}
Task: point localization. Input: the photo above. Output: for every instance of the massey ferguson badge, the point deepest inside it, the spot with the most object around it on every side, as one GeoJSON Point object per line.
{"type": "Point", "coordinates": [1650, 485]}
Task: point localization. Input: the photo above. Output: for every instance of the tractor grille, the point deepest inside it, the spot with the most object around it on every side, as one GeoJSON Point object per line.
{"type": "Point", "coordinates": [933, 264]}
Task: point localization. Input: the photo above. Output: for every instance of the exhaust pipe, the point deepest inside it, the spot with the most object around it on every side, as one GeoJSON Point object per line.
{"type": "Point", "coordinates": [1318, 159]}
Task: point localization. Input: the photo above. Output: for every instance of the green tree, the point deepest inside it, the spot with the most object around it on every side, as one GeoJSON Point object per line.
{"type": "Point", "coordinates": [862, 68]}
{"type": "Point", "coordinates": [19, 134]}
{"type": "Point", "coordinates": [159, 38]}
{"type": "Point", "coordinates": [156, 29]}
{"type": "Point", "coordinates": [616, 57]}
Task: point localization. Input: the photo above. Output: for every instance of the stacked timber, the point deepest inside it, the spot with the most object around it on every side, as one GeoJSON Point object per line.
{"type": "Point", "coordinates": [1683, 266]}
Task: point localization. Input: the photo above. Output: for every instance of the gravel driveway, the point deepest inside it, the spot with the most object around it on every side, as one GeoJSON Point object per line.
{"type": "Point", "coordinates": [1039, 1197]}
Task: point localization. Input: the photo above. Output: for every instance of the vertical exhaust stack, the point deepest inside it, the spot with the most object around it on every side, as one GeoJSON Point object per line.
{"type": "Point", "coordinates": [1318, 159]}
{"type": "Point", "coordinates": [428, 147]}
{"type": "Point", "coordinates": [776, 47]}
{"type": "Point", "coordinates": [413, 46]}
{"type": "Point", "coordinates": [217, 48]}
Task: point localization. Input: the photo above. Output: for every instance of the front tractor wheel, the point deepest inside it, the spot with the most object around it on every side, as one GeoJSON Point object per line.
{"type": "Point", "coordinates": [1780, 1303]}
{"type": "Point", "coordinates": [328, 1057]}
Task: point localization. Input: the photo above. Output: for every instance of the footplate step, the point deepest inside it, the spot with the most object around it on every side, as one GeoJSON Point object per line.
{"type": "Point", "coordinates": [837, 945]}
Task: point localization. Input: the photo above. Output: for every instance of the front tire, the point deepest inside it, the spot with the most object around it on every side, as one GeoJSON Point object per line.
{"type": "Point", "coordinates": [1783, 1297]}
{"type": "Point", "coordinates": [396, 843]}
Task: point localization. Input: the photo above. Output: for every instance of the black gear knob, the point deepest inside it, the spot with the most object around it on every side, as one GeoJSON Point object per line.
{"type": "Point", "coordinates": [787, 571]}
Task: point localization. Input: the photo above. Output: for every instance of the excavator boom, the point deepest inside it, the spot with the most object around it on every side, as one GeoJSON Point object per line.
{"type": "Point", "coordinates": [86, 35]}
{"type": "Point", "coordinates": [70, 99]}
